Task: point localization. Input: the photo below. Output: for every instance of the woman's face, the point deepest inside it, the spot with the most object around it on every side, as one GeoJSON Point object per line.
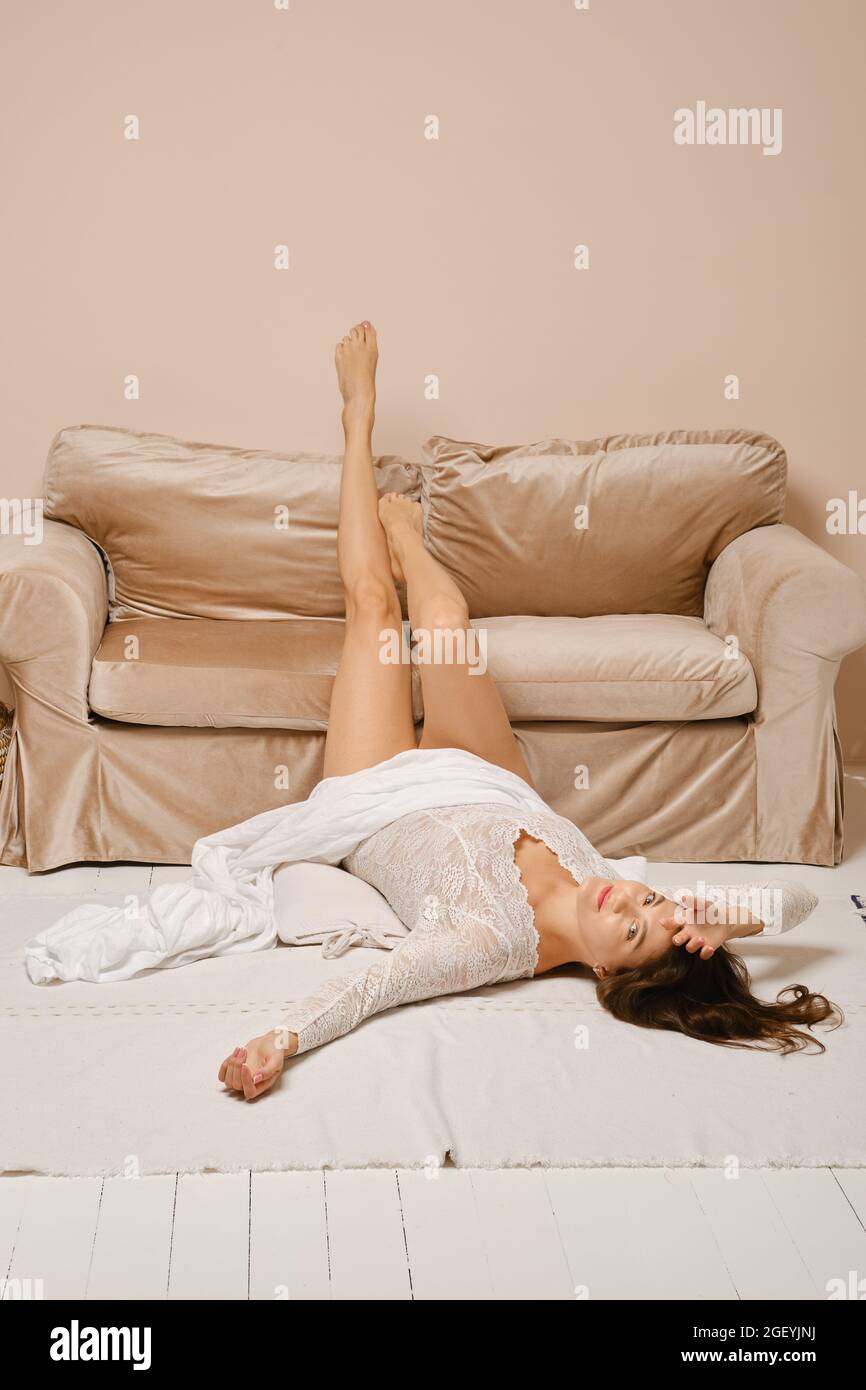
{"type": "Point", "coordinates": [623, 924]}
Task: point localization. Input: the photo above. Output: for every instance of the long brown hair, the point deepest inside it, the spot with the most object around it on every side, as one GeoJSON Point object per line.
{"type": "Point", "coordinates": [712, 1000]}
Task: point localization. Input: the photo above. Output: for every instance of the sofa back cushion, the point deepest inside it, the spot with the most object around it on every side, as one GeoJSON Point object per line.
{"type": "Point", "coordinates": [205, 530]}
{"type": "Point", "coordinates": [625, 524]}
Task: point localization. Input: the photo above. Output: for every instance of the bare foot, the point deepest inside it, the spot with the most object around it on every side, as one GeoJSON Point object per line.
{"type": "Point", "coordinates": [356, 356]}
{"type": "Point", "coordinates": [398, 516]}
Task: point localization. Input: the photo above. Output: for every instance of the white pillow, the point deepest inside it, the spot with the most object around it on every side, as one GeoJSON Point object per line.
{"type": "Point", "coordinates": [633, 868]}
{"type": "Point", "coordinates": [319, 903]}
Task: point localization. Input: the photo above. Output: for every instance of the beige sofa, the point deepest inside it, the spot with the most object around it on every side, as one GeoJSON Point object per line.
{"type": "Point", "coordinates": [665, 645]}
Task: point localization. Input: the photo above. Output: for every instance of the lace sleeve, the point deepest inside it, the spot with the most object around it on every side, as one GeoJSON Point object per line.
{"type": "Point", "coordinates": [433, 959]}
{"type": "Point", "coordinates": [779, 905]}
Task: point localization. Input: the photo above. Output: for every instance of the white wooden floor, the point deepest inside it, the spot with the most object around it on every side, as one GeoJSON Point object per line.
{"type": "Point", "coordinates": [379, 1234]}
{"type": "Point", "coordinates": [448, 1233]}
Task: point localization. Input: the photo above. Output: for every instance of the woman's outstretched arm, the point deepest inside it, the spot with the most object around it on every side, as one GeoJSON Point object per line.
{"type": "Point", "coordinates": [434, 959]}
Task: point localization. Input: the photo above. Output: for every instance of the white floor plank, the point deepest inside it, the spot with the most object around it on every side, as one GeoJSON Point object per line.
{"type": "Point", "coordinates": [77, 879]}
{"type": "Point", "coordinates": [822, 1224]}
{"type": "Point", "coordinates": [168, 873]}
{"type": "Point", "coordinates": [13, 1191]}
{"type": "Point", "coordinates": [55, 1237]}
{"type": "Point", "coordinates": [761, 1257]}
{"type": "Point", "coordinates": [133, 1238]}
{"type": "Point", "coordinates": [447, 1259]}
{"type": "Point", "coordinates": [853, 1183]}
{"type": "Point", "coordinates": [12, 880]}
{"type": "Point", "coordinates": [123, 878]}
{"type": "Point", "coordinates": [366, 1242]}
{"type": "Point", "coordinates": [210, 1237]}
{"type": "Point", "coordinates": [288, 1237]}
{"type": "Point", "coordinates": [524, 1248]}
{"type": "Point", "coordinates": [636, 1233]}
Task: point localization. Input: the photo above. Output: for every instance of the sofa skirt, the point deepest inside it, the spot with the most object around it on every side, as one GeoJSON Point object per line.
{"type": "Point", "coordinates": [671, 791]}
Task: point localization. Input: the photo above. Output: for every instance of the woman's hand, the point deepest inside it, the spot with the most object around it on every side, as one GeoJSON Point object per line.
{"type": "Point", "coordinates": [254, 1069]}
{"type": "Point", "coordinates": [703, 937]}
{"type": "Point", "coordinates": [701, 926]}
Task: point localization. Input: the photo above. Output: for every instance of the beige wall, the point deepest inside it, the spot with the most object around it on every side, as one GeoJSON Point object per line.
{"type": "Point", "coordinates": [306, 127]}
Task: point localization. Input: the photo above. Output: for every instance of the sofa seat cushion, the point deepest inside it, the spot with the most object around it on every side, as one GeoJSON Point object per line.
{"type": "Point", "coordinates": [219, 673]}
{"type": "Point", "coordinates": [631, 667]}
{"type": "Point", "coordinates": [224, 674]}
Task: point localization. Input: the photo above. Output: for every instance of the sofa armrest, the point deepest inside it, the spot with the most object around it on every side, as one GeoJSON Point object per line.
{"type": "Point", "coordinates": [53, 610]}
{"type": "Point", "coordinates": [795, 612]}
{"type": "Point", "coordinates": [784, 597]}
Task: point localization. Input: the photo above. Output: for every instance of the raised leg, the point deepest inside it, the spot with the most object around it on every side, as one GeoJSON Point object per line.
{"type": "Point", "coordinates": [462, 707]}
{"type": "Point", "coordinates": [371, 701]}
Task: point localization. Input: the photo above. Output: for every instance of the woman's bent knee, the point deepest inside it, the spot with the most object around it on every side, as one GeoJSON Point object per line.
{"type": "Point", "coordinates": [442, 614]}
{"type": "Point", "coordinates": [374, 601]}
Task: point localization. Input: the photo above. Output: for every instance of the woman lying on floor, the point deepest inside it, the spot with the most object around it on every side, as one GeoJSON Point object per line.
{"type": "Point", "coordinates": [491, 893]}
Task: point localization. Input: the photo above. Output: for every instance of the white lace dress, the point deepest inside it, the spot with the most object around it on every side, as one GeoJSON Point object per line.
{"type": "Point", "coordinates": [451, 876]}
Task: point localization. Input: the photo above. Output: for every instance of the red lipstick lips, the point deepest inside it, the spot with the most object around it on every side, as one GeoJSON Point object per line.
{"type": "Point", "coordinates": [603, 895]}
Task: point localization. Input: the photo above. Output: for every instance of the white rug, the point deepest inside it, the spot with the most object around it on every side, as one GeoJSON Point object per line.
{"type": "Point", "coordinates": [106, 1079]}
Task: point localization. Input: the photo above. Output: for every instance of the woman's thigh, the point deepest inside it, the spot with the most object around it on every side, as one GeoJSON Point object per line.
{"type": "Point", "coordinates": [462, 706]}
{"type": "Point", "coordinates": [370, 716]}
